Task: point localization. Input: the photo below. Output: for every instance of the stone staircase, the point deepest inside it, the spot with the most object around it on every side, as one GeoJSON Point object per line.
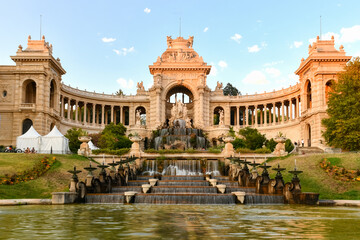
{"type": "Point", "coordinates": [175, 189]}
{"type": "Point", "coordinates": [309, 150]}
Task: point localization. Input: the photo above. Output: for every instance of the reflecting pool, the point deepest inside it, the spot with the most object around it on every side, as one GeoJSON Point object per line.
{"type": "Point", "coordinates": [93, 221]}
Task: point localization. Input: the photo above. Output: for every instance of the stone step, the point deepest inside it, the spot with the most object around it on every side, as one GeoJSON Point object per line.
{"type": "Point", "coordinates": [185, 198]}
{"type": "Point", "coordinates": [183, 189]}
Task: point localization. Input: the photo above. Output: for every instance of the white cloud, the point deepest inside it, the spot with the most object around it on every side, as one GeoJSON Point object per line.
{"type": "Point", "coordinates": [236, 37]}
{"type": "Point", "coordinates": [350, 35]}
{"type": "Point", "coordinates": [214, 70]}
{"type": "Point", "coordinates": [108, 40]}
{"type": "Point", "coordinates": [206, 29]}
{"type": "Point", "coordinates": [255, 77]}
{"type": "Point", "coordinates": [273, 63]}
{"type": "Point", "coordinates": [296, 44]}
{"type": "Point", "coordinates": [147, 10]}
{"type": "Point", "coordinates": [222, 64]}
{"type": "Point", "coordinates": [326, 36]}
{"type": "Point", "coordinates": [124, 51]}
{"type": "Point", "coordinates": [125, 84]}
{"type": "Point", "coordinates": [273, 72]}
{"type": "Point", "coordinates": [254, 48]}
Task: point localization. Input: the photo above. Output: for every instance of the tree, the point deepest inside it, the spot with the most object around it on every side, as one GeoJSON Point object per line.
{"type": "Point", "coordinates": [343, 123]}
{"type": "Point", "coordinates": [113, 137]}
{"type": "Point", "coordinates": [119, 93]}
{"type": "Point", "coordinates": [253, 138]}
{"type": "Point", "coordinates": [231, 90]}
{"type": "Point", "coordinates": [73, 135]}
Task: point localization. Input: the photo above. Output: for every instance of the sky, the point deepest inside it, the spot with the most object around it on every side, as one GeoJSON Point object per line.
{"type": "Point", "coordinates": [108, 45]}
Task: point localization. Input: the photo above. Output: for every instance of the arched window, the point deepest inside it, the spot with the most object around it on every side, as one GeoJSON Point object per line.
{"type": "Point", "coordinates": [29, 91]}
{"type": "Point", "coordinates": [27, 123]}
{"type": "Point", "coordinates": [52, 126]}
{"type": "Point", "coordinates": [140, 116]}
{"type": "Point", "coordinates": [308, 94]}
{"type": "Point", "coordinates": [52, 94]}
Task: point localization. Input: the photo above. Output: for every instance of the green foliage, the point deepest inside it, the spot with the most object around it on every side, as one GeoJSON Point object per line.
{"type": "Point", "coordinates": [238, 143]}
{"type": "Point", "coordinates": [289, 146]}
{"type": "Point", "coordinates": [230, 90]}
{"type": "Point", "coordinates": [95, 137]}
{"type": "Point", "coordinates": [253, 138]}
{"type": "Point", "coordinates": [118, 152]}
{"type": "Point", "coordinates": [262, 150]}
{"type": "Point", "coordinates": [271, 144]}
{"type": "Point", "coordinates": [214, 150]}
{"type": "Point", "coordinates": [113, 137]}
{"type": "Point", "coordinates": [343, 124]}
{"type": "Point", "coordinates": [244, 150]}
{"type": "Point", "coordinates": [73, 135]}
{"type": "Point", "coordinates": [231, 132]}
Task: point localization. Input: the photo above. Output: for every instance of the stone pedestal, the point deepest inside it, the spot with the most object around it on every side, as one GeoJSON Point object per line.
{"type": "Point", "coordinates": [280, 147]}
{"type": "Point", "coordinates": [213, 182]}
{"type": "Point", "coordinates": [153, 181]}
{"type": "Point", "coordinates": [145, 187]}
{"type": "Point", "coordinates": [64, 197]}
{"type": "Point", "coordinates": [135, 147]}
{"type": "Point", "coordinates": [129, 196]}
{"type": "Point", "coordinates": [84, 147]}
{"type": "Point", "coordinates": [240, 196]}
{"type": "Point", "coordinates": [228, 150]}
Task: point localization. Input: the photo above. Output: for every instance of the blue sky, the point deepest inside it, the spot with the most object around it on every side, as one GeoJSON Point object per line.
{"type": "Point", "coordinates": [107, 45]}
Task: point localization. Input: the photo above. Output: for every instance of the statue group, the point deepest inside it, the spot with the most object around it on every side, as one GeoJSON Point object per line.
{"type": "Point", "coordinates": [179, 111]}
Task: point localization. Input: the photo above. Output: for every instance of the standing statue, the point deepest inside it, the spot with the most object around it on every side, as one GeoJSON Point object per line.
{"type": "Point", "coordinates": [221, 117]}
{"type": "Point", "coordinates": [140, 86]}
{"type": "Point", "coordinates": [137, 118]}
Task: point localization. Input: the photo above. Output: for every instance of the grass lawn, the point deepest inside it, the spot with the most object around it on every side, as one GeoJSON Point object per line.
{"type": "Point", "coordinates": [57, 179]}
{"type": "Point", "coordinates": [315, 179]}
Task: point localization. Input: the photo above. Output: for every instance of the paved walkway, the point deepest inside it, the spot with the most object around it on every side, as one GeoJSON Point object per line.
{"type": "Point", "coordinates": [12, 202]}
{"type": "Point", "coordinates": [346, 203]}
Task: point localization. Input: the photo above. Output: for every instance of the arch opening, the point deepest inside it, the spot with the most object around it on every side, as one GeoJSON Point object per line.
{"type": "Point", "coordinates": [27, 123]}
{"type": "Point", "coordinates": [216, 115]}
{"type": "Point", "coordinates": [308, 95]}
{"type": "Point", "coordinates": [52, 94]}
{"type": "Point", "coordinates": [182, 94]}
{"type": "Point", "coordinates": [29, 91]}
{"type": "Point", "coordinates": [328, 89]}
{"type": "Point", "coordinates": [140, 116]}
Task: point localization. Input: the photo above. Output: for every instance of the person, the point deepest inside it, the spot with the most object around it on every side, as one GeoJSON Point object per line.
{"type": "Point", "coordinates": [33, 150]}
{"type": "Point", "coordinates": [27, 150]}
{"type": "Point", "coordinates": [302, 142]}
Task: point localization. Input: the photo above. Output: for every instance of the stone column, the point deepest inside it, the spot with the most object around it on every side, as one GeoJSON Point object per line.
{"type": "Point", "coordinates": [274, 114]}
{"type": "Point", "coordinates": [278, 114]}
{"type": "Point", "coordinates": [68, 108]}
{"type": "Point", "coordinates": [238, 116]}
{"type": "Point", "coordinates": [265, 115]}
{"type": "Point", "coordinates": [62, 106]}
{"type": "Point", "coordinates": [121, 114]}
{"type": "Point", "coordinates": [246, 116]}
{"type": "Point", "coordinates": [261, 116]}
{"type": "Point", "coordinates": [103, 115]}
{"type": "Point", "coordinates": [296, 107]}
{"type": "Point", "coordinates": [291, 110]}
{"type": "Point", "coordinates": [256, 115]}
{"type": "Point", "coordinates": [112, 113]}
{"type": "Point", "coordinates": [85, 112]}
{"type": "Point", "coordinates": [158, 107]}
{"type": "Point", "coordinates": [283, 112]}
{"type": "Point", "coordinates": [93, 117]}
{"type": "Point", "coordinates": [76, 111]}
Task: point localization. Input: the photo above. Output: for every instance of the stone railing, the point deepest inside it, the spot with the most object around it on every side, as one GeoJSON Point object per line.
{"type": "Point", "coordinates": [103, 96]}
{"type": "Point", "coordinates": [261, 96]}
{"type": "Point", "coordinates": [27, 106]}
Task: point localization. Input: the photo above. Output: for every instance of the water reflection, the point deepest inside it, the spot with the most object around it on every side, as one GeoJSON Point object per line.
{"type": "Point", "coordinates": [177, 222]}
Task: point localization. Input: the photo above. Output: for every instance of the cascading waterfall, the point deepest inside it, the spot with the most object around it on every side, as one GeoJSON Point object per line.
{"type": "Point", "coordinates": [179, 132]}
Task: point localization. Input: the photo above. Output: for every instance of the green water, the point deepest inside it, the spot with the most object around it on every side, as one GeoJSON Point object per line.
{"type": "Point", "coordinates": [178, 222]}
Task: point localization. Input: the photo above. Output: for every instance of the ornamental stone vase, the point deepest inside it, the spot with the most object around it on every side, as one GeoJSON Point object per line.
{"type": "Point", "coordinates": [280, 146]}
{"type": "Point", "coordinates": [84, 146]}
{"type": "Point", "coordinates": [228, 150]}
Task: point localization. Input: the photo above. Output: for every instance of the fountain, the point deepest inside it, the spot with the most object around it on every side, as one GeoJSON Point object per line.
{"type": "Point", "coordinates": [179, 134]}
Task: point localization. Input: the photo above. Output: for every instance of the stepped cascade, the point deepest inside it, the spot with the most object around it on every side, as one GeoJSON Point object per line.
{"type": "Point", "coordinates": [193, 182]}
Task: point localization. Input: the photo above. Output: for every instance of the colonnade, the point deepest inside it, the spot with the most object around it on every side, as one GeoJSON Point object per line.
{"type": "Point", "coordinates": [80, 111]}
{"type": "Point", "coordinates": [264, 114]}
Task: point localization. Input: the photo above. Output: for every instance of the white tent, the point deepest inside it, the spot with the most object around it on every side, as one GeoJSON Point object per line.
{"type": "Point", "coordinates": [30, 139]}
{"type": "Point", "coordinates": [92, 146]}
{"type": "Point", "coordinates": [55, 142]}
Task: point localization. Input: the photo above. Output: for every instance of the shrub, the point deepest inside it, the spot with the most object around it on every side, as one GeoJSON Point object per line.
{"type": "Point", "coordinates": [119, 152]}
{"type": "Point", "coordinates": [73, 135]}
{"type": "Point", "coordinates": [215, 150]}
{"type": "Point", "coordinates": [238, 143]}
{"type": "Point", "coordinates": [95, 137]}
{"type": "Point", "coordinates": [244, 150]}
{"type": "Point", "coordinates": [271, 144]}
{"type": "Point", "coordinates": [113, 137]}
{"type": "Point", "coordinates": [262, 150]}
{"type": "Point", "coordinates": [253, 138]}
{"type": "Point", "coordinates": [289, 146]}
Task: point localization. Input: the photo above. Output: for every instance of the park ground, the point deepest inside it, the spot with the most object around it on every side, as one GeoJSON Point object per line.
{"type": "Point", "coordinates": [57, 179]}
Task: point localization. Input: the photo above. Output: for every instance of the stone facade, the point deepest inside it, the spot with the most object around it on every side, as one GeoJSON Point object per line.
{"type": "Point", "coordinates": [32, 93]}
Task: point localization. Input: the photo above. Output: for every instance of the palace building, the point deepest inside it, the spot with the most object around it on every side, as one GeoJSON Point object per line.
{"type": "Point", "coordinates": [32, 93]}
